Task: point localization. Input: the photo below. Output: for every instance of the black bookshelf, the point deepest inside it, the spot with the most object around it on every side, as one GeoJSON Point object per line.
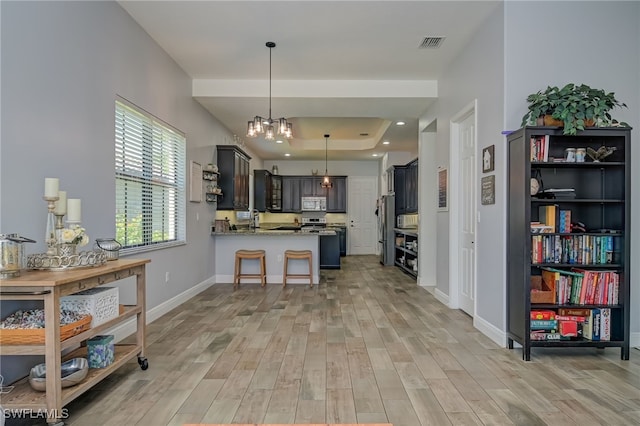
{"type": "Point", "coordinates": [600, 202]}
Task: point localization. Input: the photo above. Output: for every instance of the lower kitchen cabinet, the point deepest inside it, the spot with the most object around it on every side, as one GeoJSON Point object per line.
{"type": "Point", "coordinates": [329, 251]}
{"type": "Point", "coordinates": [406, 250]}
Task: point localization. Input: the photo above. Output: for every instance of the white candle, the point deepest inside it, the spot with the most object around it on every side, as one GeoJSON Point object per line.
{"type": "Point", "coordinates": [61, 204]}
{"type": "Point", "coordinates": [74, 213]}
{"type": "Point", "coordinates": [51, 187]}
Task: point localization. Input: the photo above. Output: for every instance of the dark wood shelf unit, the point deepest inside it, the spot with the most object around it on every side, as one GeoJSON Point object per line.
{"type": "Point", "coordinates": [406, 250]}
{"type": "Point", "coordinates": [601, 205]}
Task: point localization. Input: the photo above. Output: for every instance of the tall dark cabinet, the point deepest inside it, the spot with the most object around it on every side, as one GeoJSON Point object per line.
{"type": "Point", "coordinates": [411, 187]}
{"type": "Point", "coordinates": [337, 195]}
{"type": "Point", "coordinates": [579, 273]}
{"type": "Point", "coordinates": [233, 165]}
{"type": "Point", "coordinates": [399, 182]}
{"type": "Point", "coordinates": [267, 194]}
{"type": "Point", "coordinates": [291, 194]}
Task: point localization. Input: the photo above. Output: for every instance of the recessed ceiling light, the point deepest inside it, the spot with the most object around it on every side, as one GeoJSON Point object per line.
{"type": "Point", "coordinates": [279, 141]}
{"type": "Point", "coordinates": [385, 143]}
{"type": "Point", "coordinates": [287, 155]}
{"type": "Point", "coordinates": [400, 123]}
{"type": "Point", "coordinates": [374, 155]}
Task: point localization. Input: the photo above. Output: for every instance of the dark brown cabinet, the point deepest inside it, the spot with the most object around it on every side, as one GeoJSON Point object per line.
{"type": "Point", "coordinates": [411, 187]}
{"type": "Point", "coordinates": [405, 184]}
{"type": "Point", "coordinates": [311, 186]}
{"type": "Point", "coordinates": [291, 195]}
{"type": "Point", "coordinates": [337, 195]}
{"type": "Point", "coordinates": [267, 191]}
{"type": "Point", "coordinates": [233, 166]}
{"type": "Point", "coordinates": [573, 239]}
{"type": "Point", "coordinates": [399, 178]}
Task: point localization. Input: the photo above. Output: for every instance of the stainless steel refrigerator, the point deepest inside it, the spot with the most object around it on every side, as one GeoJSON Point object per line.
{"type": "Point", "coordinates": [386, 223]}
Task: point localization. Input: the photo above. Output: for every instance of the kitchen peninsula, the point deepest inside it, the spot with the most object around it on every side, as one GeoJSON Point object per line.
{"type": "Point", "coordinates": [274, 242]}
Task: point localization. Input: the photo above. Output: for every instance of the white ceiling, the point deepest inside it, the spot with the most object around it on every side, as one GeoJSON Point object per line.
{"type": "Point", "coordinates": [350, 69]}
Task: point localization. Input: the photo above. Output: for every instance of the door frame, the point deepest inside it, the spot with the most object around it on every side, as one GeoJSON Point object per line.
{"type": "Point", "coordinates": [454, 210]}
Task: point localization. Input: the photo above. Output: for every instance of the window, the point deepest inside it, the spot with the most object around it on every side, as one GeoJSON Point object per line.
{"type": "Point", "coordinates": [150, 180]}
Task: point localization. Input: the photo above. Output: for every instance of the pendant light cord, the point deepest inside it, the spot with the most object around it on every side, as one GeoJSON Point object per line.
{"type": "Point", "coordinates": [270, 49]}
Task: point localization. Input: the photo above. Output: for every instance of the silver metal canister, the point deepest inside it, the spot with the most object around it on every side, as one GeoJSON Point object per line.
{"type": "Point", "coordinates": [110, 247]}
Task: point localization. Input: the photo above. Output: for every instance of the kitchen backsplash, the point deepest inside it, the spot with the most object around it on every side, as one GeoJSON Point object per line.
{"type": "Point", "coordinates": [281, 217]}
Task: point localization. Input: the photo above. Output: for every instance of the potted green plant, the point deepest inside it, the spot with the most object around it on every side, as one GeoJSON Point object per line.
{"type": "Point", "coordinates": [575, 106]}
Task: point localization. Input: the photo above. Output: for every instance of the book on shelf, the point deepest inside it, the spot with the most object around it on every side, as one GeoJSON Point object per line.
{"type": "Point", "coordinates": [539, 148]}
{"type": "Point", "coordinates": [546, 325]}
{"type": "Point", "coordinates": [564, 225]}
{"type": "Point", "coordinates": [542, 314]}
{"type": "Point", "coordinates": [568, 328]}
{"type": "Point", "coordinates": [591, 327]}
{"type": "Point", "coordinates": [548, 214]}
{"type": "Point", "coordinates": [579, 312]}
{"type": "Point", "coordinates": [605, 324]}
{"type": "Point", "coordinates": [543, 335]}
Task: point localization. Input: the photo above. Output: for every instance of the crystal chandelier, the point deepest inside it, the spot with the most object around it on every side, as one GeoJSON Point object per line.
{"type": "Point", "coordinates": [266, 126]}
{"type": "Point", "coordinates": [326, 183]}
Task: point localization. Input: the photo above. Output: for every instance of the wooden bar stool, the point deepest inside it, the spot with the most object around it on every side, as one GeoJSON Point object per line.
{"type": "Point", "coordinates": [250, 254]}
{"type": "Point", "coordinates": [297, 254]}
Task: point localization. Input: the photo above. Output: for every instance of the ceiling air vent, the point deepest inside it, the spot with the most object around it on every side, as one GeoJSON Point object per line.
{"type": "Point", "coordinates": [431, 42]}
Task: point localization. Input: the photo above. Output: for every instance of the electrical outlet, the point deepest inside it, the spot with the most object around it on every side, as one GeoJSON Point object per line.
{"type": "Point", "coordinates": [166, 277]}
{"type": "Point", "coordinates": [197, 217]}
{"type": "Point", "coordinates": [279, 258]}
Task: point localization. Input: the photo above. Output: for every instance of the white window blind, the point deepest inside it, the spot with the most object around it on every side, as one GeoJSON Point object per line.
{"type": "Point", "coordinates": [150, 180]}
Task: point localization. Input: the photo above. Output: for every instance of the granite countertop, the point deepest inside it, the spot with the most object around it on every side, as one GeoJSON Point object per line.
{"type": "Point", "coordinates": [272, 232]}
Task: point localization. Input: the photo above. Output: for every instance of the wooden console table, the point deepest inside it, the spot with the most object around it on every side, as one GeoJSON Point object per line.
{"type": "Point", "coordinates": [49, 286]}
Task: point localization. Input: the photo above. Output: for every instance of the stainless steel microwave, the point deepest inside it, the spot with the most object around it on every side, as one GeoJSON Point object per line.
{"type": "Point", "coordinates": [314, 204]}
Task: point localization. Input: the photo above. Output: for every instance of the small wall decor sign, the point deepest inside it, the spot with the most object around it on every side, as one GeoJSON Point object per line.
{"type": "Point", "coordinates": [488, 190]}
{"type": "Point", "coordinates": [487, 159]}
{"type": "Point", "coordinates": [443, 189]}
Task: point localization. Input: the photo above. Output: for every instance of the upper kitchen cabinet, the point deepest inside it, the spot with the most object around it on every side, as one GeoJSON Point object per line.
{"type": "Point", "coordinates": [337, 195]}
{"type": "Point", "coordinates": [291, 194]}
{"type": "Point", "coordinates": [267, 191]}
{"type": "Point", "coordinates": [411, 187]}
{"type": "Point", "coordinates": [405, 183]}
{"type": "Point", "coordinates": [399, 178]}
{"type": "Point", "coordinates": [262, 190]}
{"type": "Point", "coordinates": [233, 165]}
{"type": "Point", "coordinates": [310, 187]}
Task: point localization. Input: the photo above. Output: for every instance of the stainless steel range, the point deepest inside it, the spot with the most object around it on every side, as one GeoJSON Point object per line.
{"type": "Point", "coordinates": [313, 223]}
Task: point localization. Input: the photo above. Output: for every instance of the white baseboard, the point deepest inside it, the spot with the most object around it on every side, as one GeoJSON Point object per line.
{"type": "Point", "coordinates": [129, 327]}
{"type": "Point", "coordinates": [491, 331]}
{"type": "Point", "coordinates": [442, 297]}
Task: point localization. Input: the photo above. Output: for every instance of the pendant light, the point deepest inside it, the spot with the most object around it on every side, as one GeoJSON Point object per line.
{"type": "Point", "coordinates": [265, 126]}
{"type": "Point", "coordinates": [326, 183]}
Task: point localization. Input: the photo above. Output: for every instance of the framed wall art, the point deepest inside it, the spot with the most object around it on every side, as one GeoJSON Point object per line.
{"type": "Point", "coordinates": [443, 189]}
{"type": "Point", "coordinates": [488, 190]}
{"type": "Point", "coordinates": [487, 159]}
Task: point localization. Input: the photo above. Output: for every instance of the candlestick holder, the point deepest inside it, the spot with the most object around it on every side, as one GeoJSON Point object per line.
{"type": "Point", "coordinates": [50, 236]}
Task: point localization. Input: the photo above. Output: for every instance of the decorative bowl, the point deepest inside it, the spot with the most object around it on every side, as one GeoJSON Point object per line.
{"type": "Point", "coordinates": [73, 372]}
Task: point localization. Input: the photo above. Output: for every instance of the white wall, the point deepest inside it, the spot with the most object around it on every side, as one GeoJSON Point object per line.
{"type": "Point", "coordinates": [596, 43]}
{"type": "Point", "coordinates": [63, 63]}
{"type": "Point", "coordinates": [476, 74]}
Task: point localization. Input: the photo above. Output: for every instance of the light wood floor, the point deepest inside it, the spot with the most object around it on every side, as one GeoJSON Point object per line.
{"type": "Point", "coordinates": [365, 346]}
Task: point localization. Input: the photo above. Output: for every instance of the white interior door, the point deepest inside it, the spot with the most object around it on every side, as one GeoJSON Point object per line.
{"type": "Point", "coordinates": [362, 232]}
{"type": "Point", "coordinates": [467, 216]}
